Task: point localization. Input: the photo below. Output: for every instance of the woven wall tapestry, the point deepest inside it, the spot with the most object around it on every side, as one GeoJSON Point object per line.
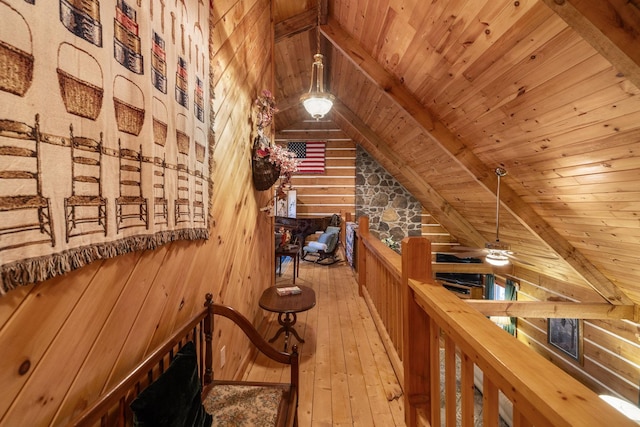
{"type": "Point", "coordinates": [104, 142]}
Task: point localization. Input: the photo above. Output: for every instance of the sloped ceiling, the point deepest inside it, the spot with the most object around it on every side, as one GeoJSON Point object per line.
{"type": "Point", "coordinates": [443, 92]}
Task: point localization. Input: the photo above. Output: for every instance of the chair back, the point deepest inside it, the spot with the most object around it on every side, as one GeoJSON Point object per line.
{"type": "Point", "coordinates": [332, 230]}
{"type": "Point", "coordinates": [332, 236]}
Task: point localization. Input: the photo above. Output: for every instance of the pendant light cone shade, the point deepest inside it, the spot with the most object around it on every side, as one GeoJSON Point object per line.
{"type": "Point", "coordinates": [317, 102]}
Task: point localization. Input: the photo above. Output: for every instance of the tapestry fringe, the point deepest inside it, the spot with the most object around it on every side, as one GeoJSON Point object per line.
{"type": "Point", "coordinates": [32, 270]}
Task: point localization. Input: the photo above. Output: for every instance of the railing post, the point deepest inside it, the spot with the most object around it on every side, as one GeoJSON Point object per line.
{"type": "Point", "coordinates": [208, 337]}
{"type": "Point", "coordinates": [416, 264]}
{"type": "Point", "coordinates": [363, 230]}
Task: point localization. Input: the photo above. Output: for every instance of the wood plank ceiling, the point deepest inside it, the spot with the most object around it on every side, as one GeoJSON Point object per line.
{"type": "Point", "coordinates": [443, 92]}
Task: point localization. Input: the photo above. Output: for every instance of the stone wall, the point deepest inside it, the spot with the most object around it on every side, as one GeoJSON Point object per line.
{"type": "Point", "coordinates": [392, 210]}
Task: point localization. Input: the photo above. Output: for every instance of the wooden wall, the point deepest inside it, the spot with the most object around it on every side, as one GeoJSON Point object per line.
{"type": "Point", "coordinates": [439, 237]}
{"type": "Point", "coordinates": [65, 340]}
{"type": "Point", "coordinates": [334, 191]}
{"type": "Point", "coordinates": [610, 348]}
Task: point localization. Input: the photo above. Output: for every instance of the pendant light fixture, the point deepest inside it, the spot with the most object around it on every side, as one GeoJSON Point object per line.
{"type": "Point", "coordinates": [317, 102]}
{"type": "Point", "coordinates": [497, 250]}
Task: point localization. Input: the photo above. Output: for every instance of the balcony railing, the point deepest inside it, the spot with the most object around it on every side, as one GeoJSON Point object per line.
{"type": "Point", "coordinates": [422, 323]}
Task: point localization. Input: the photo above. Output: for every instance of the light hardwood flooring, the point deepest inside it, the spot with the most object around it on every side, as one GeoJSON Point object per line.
{"type": "Point", "coordinates": [346, 378]}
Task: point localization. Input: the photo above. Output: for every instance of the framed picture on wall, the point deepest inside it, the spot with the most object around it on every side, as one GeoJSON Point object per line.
{"type": "Point", "coordinates": [566, 335]}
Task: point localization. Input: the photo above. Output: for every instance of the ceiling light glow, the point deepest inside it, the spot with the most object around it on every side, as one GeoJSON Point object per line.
{"type": "Point", "coordinates": [497, 258]}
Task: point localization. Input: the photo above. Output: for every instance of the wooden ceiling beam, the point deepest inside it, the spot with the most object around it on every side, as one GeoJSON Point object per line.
{"type": "Point", "coordinates": [612, 27]}
{"type": "Point", "coordinates": [467, 268]}
{"type": "Point", "coordinates": [359, 131]}
{"type": "Point", "coordinates": [550, 309]}
{"type": "Point", "coordinates": [468, 161]}
{"type": "Point", "coordinates": [288, 103]}
{"type": "Point", "coordinates": [300, 23]}
{"type": "Point", "coordinates": [385, 82]}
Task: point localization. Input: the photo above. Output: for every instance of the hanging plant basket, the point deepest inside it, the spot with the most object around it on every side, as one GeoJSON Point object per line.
{"type": "Point", "coordinates": [265, 173]}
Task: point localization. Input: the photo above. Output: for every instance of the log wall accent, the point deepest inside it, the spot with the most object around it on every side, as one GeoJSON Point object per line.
{"type": "Point", "coordinates": [334, 191]}
{"type": "Point", "coordinates": [610, 350]}
{"type": "Point", "coordinates": [65, 340]}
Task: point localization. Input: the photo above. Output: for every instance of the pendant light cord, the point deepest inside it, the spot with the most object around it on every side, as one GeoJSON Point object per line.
{"type": "Point", "coordinates": [500, 172]}
{"type": "Point", "coordinates": [498, 209]}
{"type": "Point", "coordinates": [318, 29]}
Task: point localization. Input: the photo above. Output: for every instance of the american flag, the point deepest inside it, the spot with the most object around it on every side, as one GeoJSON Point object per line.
{"type": "Point", "coordinates": [310, 156]}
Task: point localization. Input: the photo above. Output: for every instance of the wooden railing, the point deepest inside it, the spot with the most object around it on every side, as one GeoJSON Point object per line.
{"type": "Point", "coordinates": [380, 268]}
{"type": "Point", "coordinates": [435, 324]}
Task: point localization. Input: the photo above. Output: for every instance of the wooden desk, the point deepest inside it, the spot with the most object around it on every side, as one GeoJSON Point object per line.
{"type": "Point", "coordinates": [287, 307]}
{"type": "Point", "coordinates": [292, 251]}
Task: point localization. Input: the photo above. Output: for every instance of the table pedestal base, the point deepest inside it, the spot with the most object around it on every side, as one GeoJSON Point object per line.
{"type": "Point", "coordinates": [287, 306]}
{"type": "Point", "coordinates": [286, 321]}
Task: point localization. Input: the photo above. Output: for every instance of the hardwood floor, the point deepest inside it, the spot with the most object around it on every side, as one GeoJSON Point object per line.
{"type": "Point", "coordinates": [346, 378]}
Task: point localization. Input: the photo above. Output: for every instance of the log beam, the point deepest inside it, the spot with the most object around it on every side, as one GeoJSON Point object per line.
{"type": "Point", "coordinates": [359, 131]}
{"type": "Point", "coordinates": [299, 23]}
{"type": "Point", "coordinates": [612, 27]}
{"type": "Point", "coordinates": [553, 309]}
{"type": "Point", "coordinates": [468, 268]}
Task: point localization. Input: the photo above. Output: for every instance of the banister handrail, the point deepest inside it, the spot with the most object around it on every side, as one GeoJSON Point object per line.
{"type": "Point", "coordinates": [541, 393]}
{"type": "Point", "coordinates": [386, 255]}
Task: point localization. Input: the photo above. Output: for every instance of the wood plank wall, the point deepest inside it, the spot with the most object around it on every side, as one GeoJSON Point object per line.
{"type": "Point", "coordinates": [334, 191]}
{"type": "Point", "coordinates": [611, 348]}
{"type": "Point", "coordinates": [441, 240]}
{"type": "Point", "coordinates": [65, 340]}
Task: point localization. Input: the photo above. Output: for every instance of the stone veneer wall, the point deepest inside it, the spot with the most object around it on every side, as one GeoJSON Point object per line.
{"type": "Point", "coordinates": [392, 210]}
